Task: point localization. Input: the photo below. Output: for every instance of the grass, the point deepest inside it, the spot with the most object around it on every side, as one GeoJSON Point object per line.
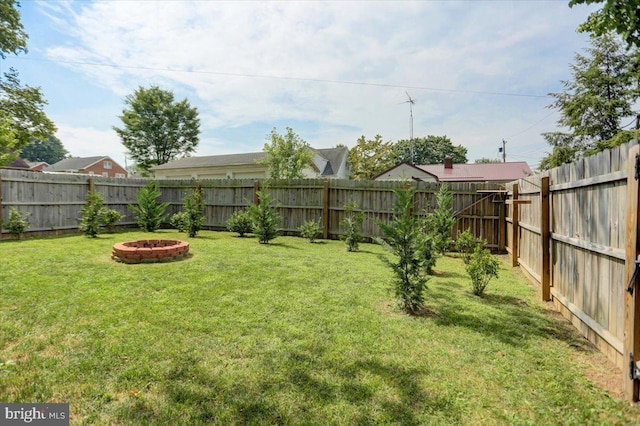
{"type": "Point", "coordinates": [286, 333]}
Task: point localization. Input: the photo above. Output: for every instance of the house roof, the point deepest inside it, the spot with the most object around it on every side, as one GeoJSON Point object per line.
{"type": "Point", "coordinates": [212, 161]}
{"type": "Point", "coordinates": [33, 164]}
{"type": "Point", "coordinates": [18, 163]}
{"type": "Point", "coordinates": [406, 164]}
{"type": "Point", "coordinates": [479, 172]}
{"type": "Point", "coordinates": [78, 163]}
{"type": "Point", "coordinates": [334, 157]}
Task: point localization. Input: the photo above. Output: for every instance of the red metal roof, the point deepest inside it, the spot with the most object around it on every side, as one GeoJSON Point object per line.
{"type": "Point", "coordinates": [504, 172]}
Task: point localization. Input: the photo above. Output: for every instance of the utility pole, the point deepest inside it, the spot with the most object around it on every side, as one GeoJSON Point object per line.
{"type": "Point", "coordinates": [503, 150]}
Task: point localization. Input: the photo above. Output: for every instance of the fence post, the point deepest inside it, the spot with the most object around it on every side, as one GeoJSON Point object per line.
{"type": "Point", "coordinates": [515, 227]}
{"type": "Point", "coordinates": [546, 239]}
{"type": "Point", "coordinates": [92, 185]}
{"type": "Point", "coordinates": [325, 210]}
{"type": "Point", "coordinates": [502, 227]}
{"type": "Point", "coordinates": [632, 299]}
{"type": "Point", "coordinates": [256, 188]}
{"type": "Point", "coordinates": [0, 206]}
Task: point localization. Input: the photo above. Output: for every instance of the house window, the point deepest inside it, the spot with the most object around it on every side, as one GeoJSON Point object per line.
{"type": "Point", "coordinates": [120, 175]}
{"type": "Point", "coordinates": [107, 165]}
{"type": "Point", "coordinates": [105, 174]}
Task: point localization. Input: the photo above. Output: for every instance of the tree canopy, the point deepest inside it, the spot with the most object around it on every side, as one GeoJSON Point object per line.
{"type": "Point", "coordinates": [429, 150]}
{"type": "Point", "coordinates": [623, 17]}
{"type": "Point", "coordinates": [13, 38]}
{"type": "Point", "coordinates": [486, 160]}
{"type": "Point", "coordinates": [156, 128]}
{"type": "Point", "coordinates": [50, 150]}
{"type": "Point", "coordinates": [594, 104]}
{"type": "Point", "coordinates": [286, 155]}
{"type": "Point", "coordinates": [22, 114]}
{"type": "Point", "coordinates": [370, 157]}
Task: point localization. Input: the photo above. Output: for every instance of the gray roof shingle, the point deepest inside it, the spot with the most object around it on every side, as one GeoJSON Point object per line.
{"type": "Point", "coordinates": [74, 163]}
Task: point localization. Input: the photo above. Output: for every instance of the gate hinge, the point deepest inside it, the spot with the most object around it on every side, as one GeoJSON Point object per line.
{"type": "Point", "coordinates": [637, 175]}
{"type": "Point", "coordinates": [634, 370]}
{"type": "Point", "coordinates": [632, 281]}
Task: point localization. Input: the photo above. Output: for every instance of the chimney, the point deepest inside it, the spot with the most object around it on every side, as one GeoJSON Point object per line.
{"type": "Point", "coordinates": [448, 162]}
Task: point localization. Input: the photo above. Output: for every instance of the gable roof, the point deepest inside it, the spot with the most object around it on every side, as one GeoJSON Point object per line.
{"type": "Point", "coordinates": [33, 164]}
{"type": "Point", "coordinates": [479, 172]}
{"type": "Point", "coordinates": [335, 157]}
{"type": "Point", "coordinates": [405, 164]}
{"type": "Point", "coordinates": [78, 163]}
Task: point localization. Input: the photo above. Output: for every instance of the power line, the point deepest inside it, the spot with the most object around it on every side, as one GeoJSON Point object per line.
{"type": "Point", "coordinates": [533, 125]}
{"type": "Point", "coordinates": [277, 77]}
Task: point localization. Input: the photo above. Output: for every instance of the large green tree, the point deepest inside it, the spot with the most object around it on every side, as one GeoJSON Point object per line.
{"type": "Point", "coordinates": [596, 103]}
{"type": "Point", "coordinates": [22, 114]}
{"type": "Point", "coordinates": [50, 150]}
{"type": "Point", "coordinates": [370, 157]}
{"type": "Point", "coordinates": [429, 150]}
{"type": "Point", "coordinates": [156, 128]}
{"type": "Point", "coordinates": [286, 156]}
{"type": "Point", "coordinates": [621, 16]}
{"type": "Point", "coordinates": [13, 38]}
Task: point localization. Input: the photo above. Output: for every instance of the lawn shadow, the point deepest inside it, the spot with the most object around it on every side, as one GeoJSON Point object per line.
{"type": "Point", "coordinates": [282, 245]}
{"type": "Point", "coordinates": [511, 320]}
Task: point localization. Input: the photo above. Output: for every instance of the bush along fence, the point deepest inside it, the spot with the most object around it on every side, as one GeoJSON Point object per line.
{"type": "Point", "coordinates": [54, 202]}
{"type": "Point", "coordinates": [574, 231]}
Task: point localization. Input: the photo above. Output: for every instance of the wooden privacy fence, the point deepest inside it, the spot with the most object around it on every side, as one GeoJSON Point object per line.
{"type": "Point", "coordinates": [574, 230]}
{"type": "Point", "coordinates": [54, 202]}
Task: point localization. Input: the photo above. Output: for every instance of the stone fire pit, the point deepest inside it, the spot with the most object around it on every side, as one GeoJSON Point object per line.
{"type": "Point", "coordinates": [149, 251]}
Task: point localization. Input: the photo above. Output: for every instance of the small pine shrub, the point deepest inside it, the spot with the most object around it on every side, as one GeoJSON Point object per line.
{"type": "Point", "coordinates": [240, 222]}
{"type": "Point", "coordinates": [441, 219]}
{"type": "Point", "coordinates": [179, 221]}
{"type": "Point", "coordinates": [403, 237]}
{"type": "Point", "coordinates": [482, 267]}
{"type": "Point", "coordinates": [194, 208]}
{"type": "Point", "coordinates": [110, 218]}
{"type": "Point", "coordinates": [264, 218]}
{"type": "Point", "coordinates": [466, 244]}
{"type": "Point", "coordinates": [92, 220]}
{"type": "Point", "coordinates": [310, 230]}
{"type": "Point", "coordinates": [429, 255]}
{"type": "Point", "coordinates": [150, 213]}
{"type": "Point", "coordinates": [352, 224]}
{"type": "Point", "coordinates": [17, 223]}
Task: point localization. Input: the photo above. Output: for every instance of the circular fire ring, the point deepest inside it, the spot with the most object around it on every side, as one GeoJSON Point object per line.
{"type": "Point", "coordinates": [150, 251]}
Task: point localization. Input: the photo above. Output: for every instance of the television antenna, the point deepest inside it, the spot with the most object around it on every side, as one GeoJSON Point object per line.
{"type": "Point", "coordinates": [411, 103]}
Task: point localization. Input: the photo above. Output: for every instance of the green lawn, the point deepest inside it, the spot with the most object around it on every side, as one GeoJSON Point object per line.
{"type": "Point", "coordinates": [289, 333]}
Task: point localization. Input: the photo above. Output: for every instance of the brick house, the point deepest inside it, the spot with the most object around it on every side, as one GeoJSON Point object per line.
{"type": "Point", "coordinates": [97, 166]}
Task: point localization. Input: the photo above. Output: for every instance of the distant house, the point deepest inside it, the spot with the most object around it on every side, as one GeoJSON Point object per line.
{"type": "Point", "coordinates": [37, 166]}
{"type": "Point", "coordinates": [97, 166]}
{"type": "Point", "coordinates": [450, 172]}
{"type": "Point", "coordinates": [406, 171]}
{"type": "Point", "coordinates": [18, 163]}
{"type": "Point", "coordinates": [327, 163]}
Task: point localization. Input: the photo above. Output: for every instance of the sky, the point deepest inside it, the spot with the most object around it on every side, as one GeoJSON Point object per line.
{"type": "Point", "coordinates": [478, 71]}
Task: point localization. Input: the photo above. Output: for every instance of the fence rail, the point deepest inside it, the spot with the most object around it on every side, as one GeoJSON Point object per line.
{"type": "Point", "coordinates": [54, 202]}
{"type": "Point", "coordinates": [573, 230]}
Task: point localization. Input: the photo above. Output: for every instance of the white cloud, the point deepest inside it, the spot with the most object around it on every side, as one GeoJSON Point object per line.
{"type": "Point", "coordinates": [89, 142]}
{"type": "Point", "coordinates": [522, 47]}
